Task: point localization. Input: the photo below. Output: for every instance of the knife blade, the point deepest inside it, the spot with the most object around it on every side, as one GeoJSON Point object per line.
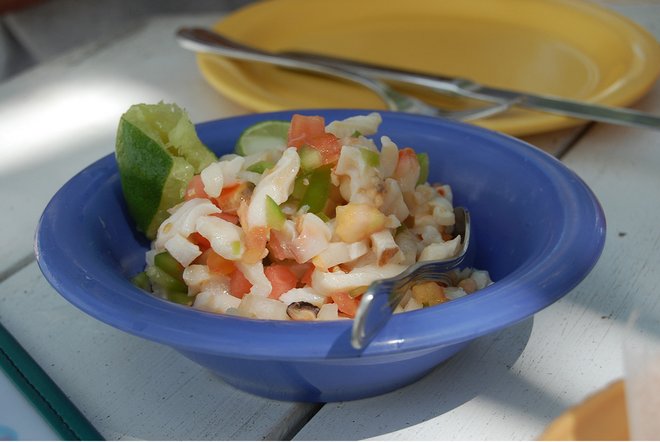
{"type": "Point", "coordinates": [467, 88]}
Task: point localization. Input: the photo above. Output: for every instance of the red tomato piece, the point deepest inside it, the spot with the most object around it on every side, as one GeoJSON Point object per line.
{"type": "Point", "coordinates": [218, 264]}
{"type": "Point", "coordinates": [232, 196]}
{"type": "Point", "coordinates": [328, 146]}
{"type": "Point", "coordinates": [345, 303]}
{"type": "Point", "coordinates": [281, 278]}
{"type": "Point", "coordinates": [239, 285]}
{"type": "Point", "coordinates": [201, 259]}
{"type": "Point", "coordinates": [229, 217]}
{"type": "Point", "coordinates": [195, 189]}
{"type": "Point", "coordinates": [304, 128]}
{"type": "Point", "coordinates": [199, 240]}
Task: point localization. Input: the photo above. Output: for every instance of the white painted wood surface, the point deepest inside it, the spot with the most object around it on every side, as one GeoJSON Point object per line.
{"type": "Point", "coordinates": [62, 116]}
{"type": "Point", "coordinates": [510, 386]}
{"type": "Point", "coordinates": [128, 387]}
{"type": "Point", "coordinates": [505, 386]}
{"type": "Point", "coordinates": [54, 121]}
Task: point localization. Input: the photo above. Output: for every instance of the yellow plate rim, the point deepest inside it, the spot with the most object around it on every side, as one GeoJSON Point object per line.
{"type": "Point", "coordinates": [223, 74]}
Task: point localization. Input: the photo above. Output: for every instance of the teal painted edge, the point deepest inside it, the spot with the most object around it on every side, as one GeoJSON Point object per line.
{"type": "Point", "coordinates": [40, 390]}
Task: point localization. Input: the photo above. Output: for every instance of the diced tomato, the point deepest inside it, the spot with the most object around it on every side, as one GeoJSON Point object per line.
{"type": "Point", "coordinates": [231, 197]}
{"type": "Point", "coordinates": [304, 128]}
{"type": "Point", "coordinates": [278, 250]}
{"type": "Point", "coordinates": [300, 269]}
{"type": "Point", "coordinates": [201, 259]}
{"type": "Point", "coordinates": [345, 303]}
{"type": "Point", "coordinates": [229, 217]}
{"type": "Point", "coordinates": [218, 264]}
{"type": "Point", "coordinates": [328, 146]}
{"type": "Point", "coordinates": [199, 240]}
{"type": "Point", "coordinates": [310, 131]}
{"type": "Point", "coordinates": [281, 278]}
{"type": "Point", "coordinates": [239, 285]}
{"type": "Point", "coordinates": [195, 189]}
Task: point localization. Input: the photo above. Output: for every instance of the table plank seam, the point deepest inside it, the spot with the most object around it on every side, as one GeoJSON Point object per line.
{"type": "Point", "coordinates": [298, 420]}
{"type": "Point", "coordinates": [16, 267]}
{"type": "Point", "coordinates": [563, 151]}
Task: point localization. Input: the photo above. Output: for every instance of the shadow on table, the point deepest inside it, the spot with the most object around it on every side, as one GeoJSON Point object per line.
{"type": "Point", "coordinates": [483, 369]}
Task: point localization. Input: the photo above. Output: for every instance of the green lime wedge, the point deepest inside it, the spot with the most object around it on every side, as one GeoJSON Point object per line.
{"type": "Point", "coordinates": [158, 152]}
{"type": "Point", "coordinates": [263, 136]}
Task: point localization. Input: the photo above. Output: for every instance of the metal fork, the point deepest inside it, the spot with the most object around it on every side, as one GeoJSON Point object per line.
{"type": "Point", "coordinates": [383, 296]}
{"type": "Point", "coordinates": [204, 40]}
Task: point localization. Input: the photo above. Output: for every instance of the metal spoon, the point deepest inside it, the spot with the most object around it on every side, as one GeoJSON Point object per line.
{"type": "Point", "coordinates": [382, 296]}
{"type": "Point", "coordinates": [204, 40]}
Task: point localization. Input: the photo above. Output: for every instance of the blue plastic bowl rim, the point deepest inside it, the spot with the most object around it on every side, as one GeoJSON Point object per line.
{"type": "Point", "coordinates": [524, 292]}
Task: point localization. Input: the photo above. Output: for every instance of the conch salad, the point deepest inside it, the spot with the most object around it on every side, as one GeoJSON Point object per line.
{"type": "Point", "coordinates": [297, 227]}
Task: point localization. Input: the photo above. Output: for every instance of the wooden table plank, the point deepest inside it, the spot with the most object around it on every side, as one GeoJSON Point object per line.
{"type": "Point", "coordinates": [62, 116]}
{"type": "Point", "coordinates": [78, 99]}
{"type": "Point", "coordinates": [128, 387]}
{"type": "Point", "coordinates": [525, 374]}
{"type": "Point", "coordinates": [510, 385]}
{"type": "Point", "coordinates": [54, 121]}
{"type": "Point", "coordinates": [574, 347]}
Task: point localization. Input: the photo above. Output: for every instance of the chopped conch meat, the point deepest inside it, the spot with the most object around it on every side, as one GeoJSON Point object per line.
{"type": "Point", "coordinates": [299, 228]}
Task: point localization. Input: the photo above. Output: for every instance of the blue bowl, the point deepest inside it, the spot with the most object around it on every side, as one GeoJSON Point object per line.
{"type": "Point", "coordinates": [538, 227]}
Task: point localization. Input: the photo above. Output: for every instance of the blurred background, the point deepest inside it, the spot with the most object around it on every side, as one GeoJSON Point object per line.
{"type": "Point", "coordinates": [34, 31]}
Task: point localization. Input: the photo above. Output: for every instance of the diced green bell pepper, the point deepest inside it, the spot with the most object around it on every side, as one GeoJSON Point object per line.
{"type": "Point", "coordinates": [310, 158]}
{"type": "Point", "coordinates": [299, 187]}
{"type": "Point", "coordinates": [260, 166]}
{"type": "Point", "coordinates": [141, 280]}
{"type": "Point", "coordinates": [169, 284]}
{"type": "Point", "coordinates": [423, 159]}
{"type": "Point", "coordinates": [318, 189]}
{"type": "Point", "coordinates": [180, 298]}
{"type": "Point", "coordinates": [169, 265]}
{"type": "Point", "coordinates": [372, 158]}
{"type": "Point", "coordinates": [274, 216]}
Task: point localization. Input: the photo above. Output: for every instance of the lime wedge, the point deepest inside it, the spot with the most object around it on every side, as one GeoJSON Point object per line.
{"type": "Point", "coordinates": [263, 136]}
{"type": "Point", "coordinates": [158, 152]}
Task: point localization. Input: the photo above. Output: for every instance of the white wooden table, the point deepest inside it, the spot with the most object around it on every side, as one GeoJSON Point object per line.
{"type": "Point", "coordinates": [61, 116]}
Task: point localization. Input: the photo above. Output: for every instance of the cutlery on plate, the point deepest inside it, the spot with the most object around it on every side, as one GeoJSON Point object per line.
{"type": "Point", "coordinates": [381, 298]}
{"type": "Point", "coordinates": [471, 89]}
{"type": "Point", "coordinates": [203, 40]}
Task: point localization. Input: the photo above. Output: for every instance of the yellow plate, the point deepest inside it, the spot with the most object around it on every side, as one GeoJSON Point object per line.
{"type": "Point", "coordinates": [567, 48]}
{"type": "Point", "coordinates": [601, 416]}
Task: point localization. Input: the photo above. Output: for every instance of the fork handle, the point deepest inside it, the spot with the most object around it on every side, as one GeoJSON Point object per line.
{"type": "Point", "coordinates": [203, 40]}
